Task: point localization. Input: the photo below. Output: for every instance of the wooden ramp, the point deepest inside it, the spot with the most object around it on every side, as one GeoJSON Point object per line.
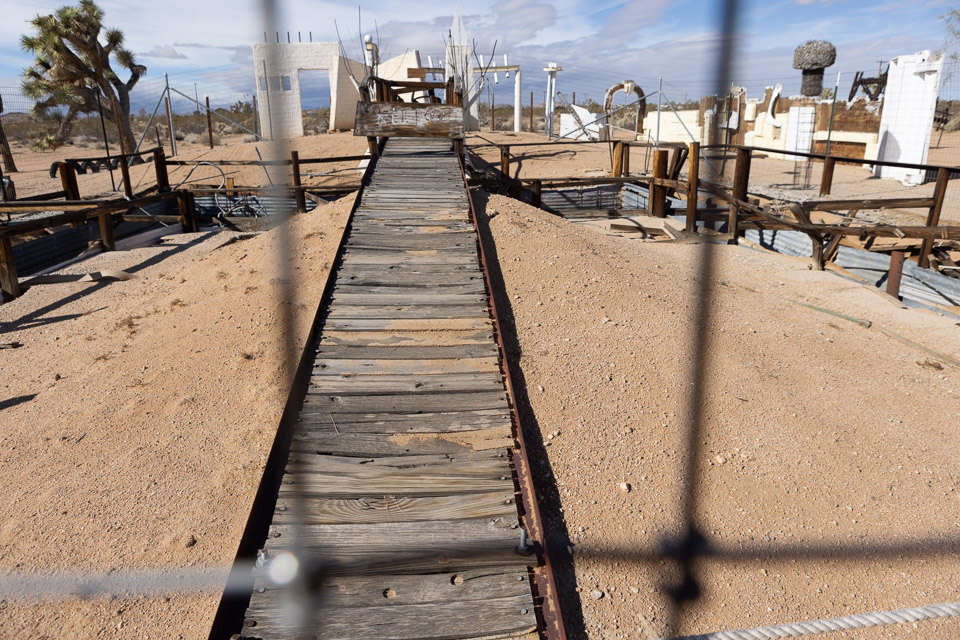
{"type": "Point", "coordinates": [399, 478]}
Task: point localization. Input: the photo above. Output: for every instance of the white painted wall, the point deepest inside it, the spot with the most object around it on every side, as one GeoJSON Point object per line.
{"type": "Point", "coordinates": [672, 127]}
{"type": "Point", "coordinates": [909, 103]}
{"type": "Point", "coordinates": [799, 132]}
{"type": "Point", "coordinates": [278, 97]}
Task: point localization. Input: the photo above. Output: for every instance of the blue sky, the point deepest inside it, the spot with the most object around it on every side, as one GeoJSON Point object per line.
{"type": "Point", "coordinates": [638, 39]}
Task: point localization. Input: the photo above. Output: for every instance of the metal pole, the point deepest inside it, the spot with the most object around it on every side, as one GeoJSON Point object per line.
{"type": "Point", "coordinates": [106, 145]}
{"type": "Point", "coordinates": [517, 101]}
{"type": "Point", "coordinates": [833, 110]}
{"type": "Point", "coordinates": [659, 107]}
{"type": "Point", "coordinates": [196, 93]}
{"type": "Point", "coordinates": [173, 136]}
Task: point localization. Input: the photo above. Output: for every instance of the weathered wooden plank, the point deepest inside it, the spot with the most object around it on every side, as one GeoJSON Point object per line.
{"type": "Point", "coordinates": [409, 119]}
{"type": "Point", "coordinates": [394, 423]}
{"type": "Point", "coordinates": [400, 403]}
{"type": "Point", "coordinates": [404, 547]}
{"type": "Point", "coordinates": [372, 385]}
{"type": "Point", "coordinates": [409, 325]}
{"type": "Point", "coordinates": [360, 256]}
{"type": "Point", "coordinates": [399, 509]}
{"type": "Point", "coordinates": [346, 442]}
{"type": "Point", "coordinates": [481, 619]}
{"type": "Point", "coordinates": [360, 366]}
{"type": "Point", "coordinates": [472, 288]}
{"type": "Point", "coordinates": [398, 590]}
{"type": "Point", "coordinates": [407, 353]}
{"type": "Point", "coordinates": [383, 278]}
{"type": "Point", "coordinates": [396, 312]}
{"type": "Point", "coordinates": [420, 475]}
{"type": "Point", "coordinates": [343, 334]}
{"type": "Point", "coordinates": [384, 299]}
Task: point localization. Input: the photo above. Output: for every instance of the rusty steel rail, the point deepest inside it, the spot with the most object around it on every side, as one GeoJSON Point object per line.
{"type": "Point", "coordinates": [552, 618]}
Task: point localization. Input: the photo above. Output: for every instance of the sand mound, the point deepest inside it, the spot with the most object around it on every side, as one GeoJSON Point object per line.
{"type": "Point", "coordinates": [138, 415]}
{"type": "Point", "coordinates": [819, 432]}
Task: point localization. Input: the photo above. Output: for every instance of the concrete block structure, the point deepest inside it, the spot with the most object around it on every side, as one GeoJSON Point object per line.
{"type": "Point", "coordinates": [277, 67]}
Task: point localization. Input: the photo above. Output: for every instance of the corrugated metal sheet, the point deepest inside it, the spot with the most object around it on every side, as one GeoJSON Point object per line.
{"type": "Point", "coordinates": [918, 285]}
{"type": "Point", "coordinates": [605, 196]}
{"type": "Point", "coordinates": [635, 196]}
{"type": "Point", "coordinates": [236, 206]}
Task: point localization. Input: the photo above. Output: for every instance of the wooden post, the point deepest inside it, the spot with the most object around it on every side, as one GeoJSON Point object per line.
{"type": "Point", "coordinates": [895, 274]}
{"type": "Point", "coordinates": [933, 216]}
{"type": "Point", "coordinates": [297, 191]}
{"type": "Point", "coordinates": [125, 174]}
{"type": "Point", "coordinates": [188, 211]}
{"type": "Point", "coordinates": [617, 160]}
{"type": "Point", "coordinates": [531, 112]}
{"type": "Point", "coordinates": [107, 242]}
{"type": "Point", "coordinates": [826, 178]}
{"type": "Point", "coordinates": [537, 189]}
{"type": "Point", "coordinates": [658, 193]}
{"type": "Point", "coordinates": [693, 186]}
{"type": "Point", "coordinates": [625, 162]}
{"type": "Point", "coordinates": [493, 109]}
{"type": "Point", "coordinates": [229, 186]}
{"type": "Point", "coordinates": [166, 105]}
{"type": "Point", "coordinates": [68, 180]}
{"type": "Point", "coordinates": [9, 284]}
{"type": "Point", "coordinates": [372, 146]}
{"type": "Point", "coordinates": [741, 179]}
{"type": "Point", "coordinates": [574, 101]}
{"type": "Point", "coordinates": [209, 123]}
{"type": "Point", "coordinates": [160, 167]}
{"type": "Point", "coordinates": [505, 161]}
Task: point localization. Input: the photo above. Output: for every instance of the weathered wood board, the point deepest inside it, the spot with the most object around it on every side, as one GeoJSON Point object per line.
{"type": "Point", "coordinates": [390, 119]}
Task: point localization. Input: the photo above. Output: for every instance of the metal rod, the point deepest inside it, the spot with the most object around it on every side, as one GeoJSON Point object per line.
{"type": "Point", "coordinates": [106, 145]}
{"type": "Point", "coordinates": [173, 137]}
{"type": "Point", "coordinates": [659, 108]}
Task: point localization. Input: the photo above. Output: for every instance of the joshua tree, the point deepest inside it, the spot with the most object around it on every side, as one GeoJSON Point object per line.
{"type": "Point", "coordinates": [72, 68]}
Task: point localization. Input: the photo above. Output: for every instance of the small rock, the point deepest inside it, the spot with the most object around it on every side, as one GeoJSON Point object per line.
{"type": "Point", "coordinates": [596, 594]}
{"type": "Point", "coordinates": [190, 542]}
{"type": "Point", "coordinates": [720, 459]}
{"type": "Point", "coordinates": [634, 590]}
{"type": "Point", "coordinates": [625, 487]}
{"type": "Point", "coordinates": [540, 387]}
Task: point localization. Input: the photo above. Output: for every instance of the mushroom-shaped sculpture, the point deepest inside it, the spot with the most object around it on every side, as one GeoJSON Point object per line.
{"type": "Point", "coordinates": [812, 57]}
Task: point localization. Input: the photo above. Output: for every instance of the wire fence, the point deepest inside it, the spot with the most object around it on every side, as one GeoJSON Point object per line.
{"type": "Point", "coordinates": [231, 90]}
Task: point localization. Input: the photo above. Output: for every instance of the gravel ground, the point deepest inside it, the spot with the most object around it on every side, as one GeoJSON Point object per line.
{"type": "Point", "coordinates": [819, 434]}
{"type": "Point", "coordinates": [136, 419]}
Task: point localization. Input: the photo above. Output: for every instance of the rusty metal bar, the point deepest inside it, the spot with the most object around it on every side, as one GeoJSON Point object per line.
{"type": "Point", "coordinates": [542, 574]}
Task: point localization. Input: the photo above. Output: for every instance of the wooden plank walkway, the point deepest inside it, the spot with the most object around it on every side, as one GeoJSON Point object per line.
{"type": "Point", "coordinates": [399, 475]}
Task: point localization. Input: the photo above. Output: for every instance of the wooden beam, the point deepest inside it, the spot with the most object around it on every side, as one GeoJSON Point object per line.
{"type": "Point", "coordinates": [107, 242]}
{"type": "Point", "coordinates": [658, 193]}
{"type": "Point", "coordinates": [298, 193]}
{"type": "Point", "coordinates": [391, 119]}
{"type": "Point", "coordinates": [68, 180]}
{"type": "Point", "coordinates": [933, 216]}
{"type": "Point", "coordinates": [160, 168]}
{"type": "Point", "coordinates": [505, 161]}
{"type": "Point", "coordinates": [125, 175]}
{"type": "Point", "coordinates": [625, 162]}
{"type": "Point", "coordinates": [826, 177]}
{"type": "Point", "coordinates": [537, 189]}
{"type": "Point", "coordinates": [9, 284]}
{"type": "Point", "coordinates": [859, 205]}
{"type": "Point", "coordinates": [895, 274]}
{"type": "Point", "coordinates": [188, 211]}
{"type": "Point", "coordinates": [617, 160]}
{"type": "Point", "coordinates": [209, 123]}
{"type": "Point", "coordinates": [693, 186]}
{"type": "Point", "coordinates": [741, 179]}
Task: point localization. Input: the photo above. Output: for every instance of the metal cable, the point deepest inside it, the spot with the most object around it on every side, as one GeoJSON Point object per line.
{"type": "Point", "coordinates": [826, 625]}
